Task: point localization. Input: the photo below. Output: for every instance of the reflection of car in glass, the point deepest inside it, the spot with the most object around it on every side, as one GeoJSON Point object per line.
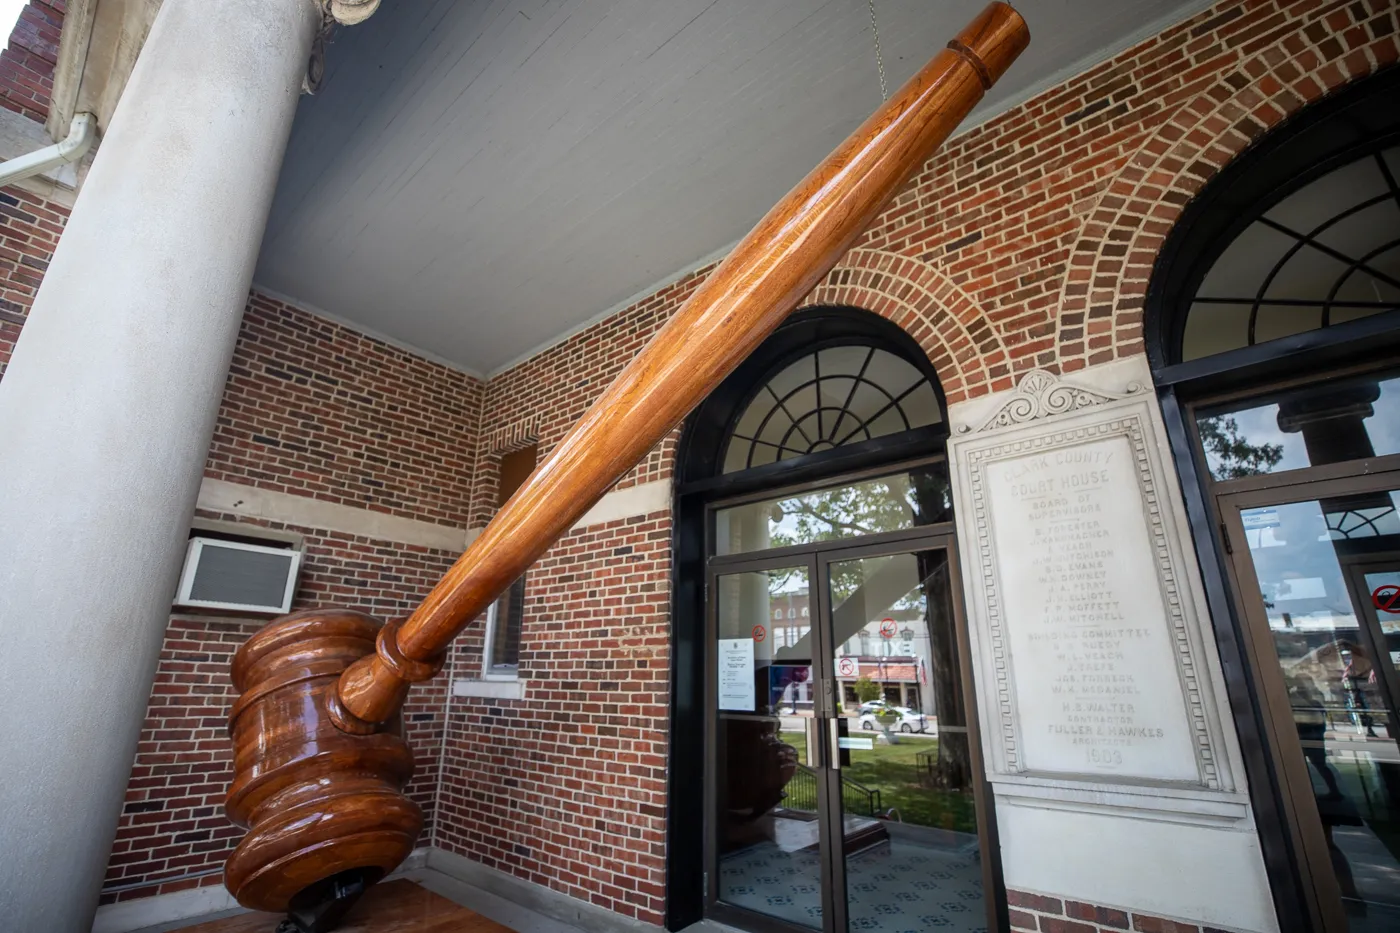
{"type": "Point", "coordinates": [904, 718]}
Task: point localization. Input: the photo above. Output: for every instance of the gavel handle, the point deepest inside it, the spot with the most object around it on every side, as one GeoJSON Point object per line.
{"type": "Point", "coordinates": [729, 315]}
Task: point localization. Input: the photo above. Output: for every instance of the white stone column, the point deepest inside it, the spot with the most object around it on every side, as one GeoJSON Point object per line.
{"type": "Point", "coordinates": [106, 413]}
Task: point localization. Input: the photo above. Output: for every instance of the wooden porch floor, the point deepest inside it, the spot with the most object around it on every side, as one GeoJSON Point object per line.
{"type": "Point", "coordinates": [393, 907]}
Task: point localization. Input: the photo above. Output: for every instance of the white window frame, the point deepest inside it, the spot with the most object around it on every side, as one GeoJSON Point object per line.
{"type": "Point", "coordinates": [196, 549]}
{"type": "Point", "coordinates": [488, 672]}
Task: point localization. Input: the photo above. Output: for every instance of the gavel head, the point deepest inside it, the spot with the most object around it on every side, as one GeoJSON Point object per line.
{"type": "Point", "coordinates": [322, 807]}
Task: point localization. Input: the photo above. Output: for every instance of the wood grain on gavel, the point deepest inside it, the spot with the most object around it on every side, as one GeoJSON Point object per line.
{"type": "Point", "coordinates": [730, 314]}
{"type": "Point", "coordinates": [319, 766]}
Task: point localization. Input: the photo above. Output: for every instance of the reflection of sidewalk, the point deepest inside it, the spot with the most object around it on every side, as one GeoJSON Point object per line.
{"type": "Point", "coordinates": [1373, 868]}
{"type": "Point", "coordinates": [1352, 745]}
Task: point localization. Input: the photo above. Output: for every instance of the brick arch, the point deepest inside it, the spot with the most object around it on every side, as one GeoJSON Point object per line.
{"type": "Point", "coordinates": [1102, 298]}
{"type": "Point", "coordinates": [967, 351]}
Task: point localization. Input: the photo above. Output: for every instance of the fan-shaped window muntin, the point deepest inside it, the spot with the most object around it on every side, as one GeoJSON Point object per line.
{"type": "Point", "coordinates": [829, 398]}
{"type": "Point", "coordinates": [1326, 253]}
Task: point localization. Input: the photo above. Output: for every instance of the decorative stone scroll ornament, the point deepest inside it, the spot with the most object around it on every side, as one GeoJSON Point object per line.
{"type": "Point", "coordinates": [1084, 605]}
{"type": "Point", "coordinates": [1042, 394]}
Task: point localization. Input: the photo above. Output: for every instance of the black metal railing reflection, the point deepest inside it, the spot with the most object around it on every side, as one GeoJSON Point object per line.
{"type": "Point", "coordinates": [800, 793]}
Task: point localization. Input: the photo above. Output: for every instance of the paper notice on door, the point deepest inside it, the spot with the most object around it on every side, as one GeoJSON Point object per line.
{"type": "Point", "coordinates": [736, 674]}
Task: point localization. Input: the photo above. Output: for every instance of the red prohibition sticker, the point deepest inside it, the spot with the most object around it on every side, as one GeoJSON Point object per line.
{"type": "Point", "coordinates": [887, 628]}
{"type": "Point", "coordinates": [759, 633]}
{"type": "Point", "coordinates": [1386, 598]}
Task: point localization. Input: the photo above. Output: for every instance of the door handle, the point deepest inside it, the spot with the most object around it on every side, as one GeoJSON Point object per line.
{"type": "Point", "coordinates": [813, 750]}
{"type": "Point", "coordinates": [839, 755]}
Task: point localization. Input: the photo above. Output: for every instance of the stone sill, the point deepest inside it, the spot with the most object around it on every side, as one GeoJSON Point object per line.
{"type": "Point", "coordinates": [494, 689]}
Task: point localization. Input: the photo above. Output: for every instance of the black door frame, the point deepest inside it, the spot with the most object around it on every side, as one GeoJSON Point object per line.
{"type": "Point", "coordinates": [1319, 886]}
{"type": "Point", "coordinates": [989, 843]}
{"type": "Point", "coordinates": [700, 481]}
{"type": "Point", "coordinates": [818, 556]}
{"type": "Point", "coordinates": [1356, 120]}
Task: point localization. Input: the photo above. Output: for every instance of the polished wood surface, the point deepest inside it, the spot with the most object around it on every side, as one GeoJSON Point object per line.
{"type": "Point", "coordinates": [760, 282]}
{"type": "Point", "coordinates": [398, 906]}
{"type": "Point", "coordinates": [318, 802]}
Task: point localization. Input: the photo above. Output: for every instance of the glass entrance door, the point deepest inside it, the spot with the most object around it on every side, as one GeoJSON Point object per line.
{"type": "Point", "coordinates": [904, 759]}
{"type": "Point", "coordinates": [767, 836]}
{"type": "Point", "coordinates": [848, 783]}
{"type": "Point", "coordinates": [1320, 575]}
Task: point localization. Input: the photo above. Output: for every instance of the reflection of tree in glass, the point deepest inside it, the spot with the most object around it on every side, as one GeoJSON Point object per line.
{"type": "Point", "coordinates": [890, 503]}
{"type": "Point", "coordinates": [953, 769]}
{"type": "Point", "coordinates": [1230, 455]}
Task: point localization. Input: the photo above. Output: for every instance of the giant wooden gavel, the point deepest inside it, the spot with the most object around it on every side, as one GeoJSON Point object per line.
{"type": "Point", "coordinates": [319, 766]}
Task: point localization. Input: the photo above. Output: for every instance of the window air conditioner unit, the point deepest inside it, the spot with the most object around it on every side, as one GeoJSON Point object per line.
{"type": "Point", "coordinates": [222, 574]}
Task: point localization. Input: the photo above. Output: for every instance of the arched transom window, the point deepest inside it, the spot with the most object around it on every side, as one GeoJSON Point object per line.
{"type": "Point", "coordinates": [827, 399]}
{"type": "Point", "coordinates": [1326, 253]}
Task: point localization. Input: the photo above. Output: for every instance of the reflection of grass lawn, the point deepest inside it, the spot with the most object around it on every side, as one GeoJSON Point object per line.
{"type": "Point", "coordinates": [893, 770]}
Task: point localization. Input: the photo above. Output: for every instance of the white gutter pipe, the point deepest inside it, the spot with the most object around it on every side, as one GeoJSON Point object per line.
{"type": "Point", "coordinates": [81, 133]}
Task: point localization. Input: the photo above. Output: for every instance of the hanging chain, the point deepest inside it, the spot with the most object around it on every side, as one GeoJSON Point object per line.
{"type": "Point", "coordinates": [879, 59]}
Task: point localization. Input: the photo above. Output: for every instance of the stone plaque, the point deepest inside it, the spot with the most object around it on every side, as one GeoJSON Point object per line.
{"type": "Point", "coordinates": [1089, 643]}
{"type": "Point", "coordinates": [1087, 640]}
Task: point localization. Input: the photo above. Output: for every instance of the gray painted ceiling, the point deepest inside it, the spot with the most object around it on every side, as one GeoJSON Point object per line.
{"type": "Point", "coordinates": [477, 178]}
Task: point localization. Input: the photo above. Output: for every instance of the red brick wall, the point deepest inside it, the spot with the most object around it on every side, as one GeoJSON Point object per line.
{"type": "Point", "coordinates": [541, 398]}
{"type": "Point", "coordinates": [1026, 243]}
{"type": "Point", "coordinates": [173, 824]}
{"type": "Point", "coordinates": [27, 63]}
{"type": "Point", "coordinates": [29, 231]}
{"type": "Point", "coordinates": [314, 409]}
{"type": "Point", "coordinates": [1046, 914]}
{"type": "Point", "coordinates": [566, 788]}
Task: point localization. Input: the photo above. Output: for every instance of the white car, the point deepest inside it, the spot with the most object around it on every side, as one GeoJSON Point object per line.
{"type": "Point", "coordinates": [909, 720]}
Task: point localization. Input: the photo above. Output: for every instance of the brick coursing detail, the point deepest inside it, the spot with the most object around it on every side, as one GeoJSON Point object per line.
{"type": "Point", "coordinates": [1227, 78]}
{"type": "Point", "coordinates": [27, 63]}
{"type": "Point", "coordinates": [1043, 913]}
